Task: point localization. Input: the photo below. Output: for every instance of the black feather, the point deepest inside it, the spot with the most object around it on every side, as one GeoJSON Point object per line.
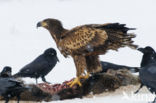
{"type": "Point", "coordinates": [41, 66]}
{"type": "Point", "coordinates": [147, 72]}
{"type": "Point", "coordinates": [106, 66]}
{"type": "Point", "coordinates": [117, 26]}
{"type": "Point", "coordinates": [6, 72]}
{"type": "Point", "coordinates": [149, 55]}
{"type": "Point", "coordinates": [10, 87]}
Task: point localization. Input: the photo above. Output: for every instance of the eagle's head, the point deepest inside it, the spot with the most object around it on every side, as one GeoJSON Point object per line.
{"type": "Point", "coordinates": [54, 26]}
{"type": "Point", "coordinates": [50, 24]}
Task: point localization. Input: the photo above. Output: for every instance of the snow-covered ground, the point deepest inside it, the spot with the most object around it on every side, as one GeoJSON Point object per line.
{"type": "Point", "coordinates": [21, 42]}
{"type": "Point", "coordinates": [122, 95]}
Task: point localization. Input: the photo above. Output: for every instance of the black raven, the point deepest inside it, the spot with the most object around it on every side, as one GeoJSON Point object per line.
{"type": "Point", "coordinates": [147, 72]}
{"type": "Point", "coordinates": [6, 72]}
{"type": "Point", "coordinates": [10, 87]}
{"type": "Point", "coordinates": [41, 66]}
{"type": "Point", "coordinates": [149, 55]}
{"type": "Point", "coordinates": [107, 65]}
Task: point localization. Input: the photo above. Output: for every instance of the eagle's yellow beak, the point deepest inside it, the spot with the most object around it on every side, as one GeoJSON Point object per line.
{"type": "Point", "coordinates": [42, 24]}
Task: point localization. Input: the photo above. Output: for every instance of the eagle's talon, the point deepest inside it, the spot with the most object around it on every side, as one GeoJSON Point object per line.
{"type": "Point", "coordinates": [74, 82]}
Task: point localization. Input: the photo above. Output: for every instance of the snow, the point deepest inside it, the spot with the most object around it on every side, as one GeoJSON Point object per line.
{"type": "Point", "coordinates": [21, 42]}
{"type": "Point", "coordinates": [122, 95]}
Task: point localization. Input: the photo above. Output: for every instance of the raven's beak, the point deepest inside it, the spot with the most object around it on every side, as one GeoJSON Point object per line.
{"type": "Point", "coordinates": [141, 50]}
{"type": "Point", "coordinates": [41, 24]}
{"type": "Point", "coordinates": [57, 59]}
{"type": "Point", "coordinates": [8, 73]}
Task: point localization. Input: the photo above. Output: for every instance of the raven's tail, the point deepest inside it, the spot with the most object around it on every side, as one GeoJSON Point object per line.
{"type": "Point", "coordinates": [17, 75]}
{"type": "Point", "coordinates": [134, 69]}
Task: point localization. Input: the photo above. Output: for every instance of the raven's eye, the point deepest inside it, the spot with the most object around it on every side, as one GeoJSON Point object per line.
{"type": "Point", "coordinates": [51, 53]}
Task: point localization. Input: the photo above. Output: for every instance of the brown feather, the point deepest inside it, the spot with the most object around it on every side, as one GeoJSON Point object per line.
{"type": "Point", "coordinates": [82, 36]}
{"type": "Point", "coordinates": [92, 63]}
{"type": "Point", "coordinates": [80, 63]}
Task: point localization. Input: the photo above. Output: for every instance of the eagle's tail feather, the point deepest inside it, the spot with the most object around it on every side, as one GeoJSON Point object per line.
{"type": "Point", "coordinates": [127, 41]}
{"type": "Point", "coordinates": [118, 36]}
{"type": "Point", "coordinates": [116, 26]}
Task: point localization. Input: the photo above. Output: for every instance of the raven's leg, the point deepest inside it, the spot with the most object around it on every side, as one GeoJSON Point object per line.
{"type": "Point", "coordinates": [18, 99]}
{"type": "Point", "coordinates": [139, 88]}
{"type": "Point", "coordinates": [6, 100]}
{"type": "Point", "coordinates": [44, 80]}
{"type": "Point", "coordinates": [36, 81]}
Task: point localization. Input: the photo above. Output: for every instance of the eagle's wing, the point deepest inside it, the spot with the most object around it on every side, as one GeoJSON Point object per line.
{"type": "Point", "coordinates": [83, 36]}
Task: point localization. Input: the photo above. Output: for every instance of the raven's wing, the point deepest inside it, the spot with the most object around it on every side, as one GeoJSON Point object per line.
{"type": "Point", "coordinates": [35, 67]}
{"type": "Point", "coordinates": [107, 65]}
{"type": "Point", "coordinates": [148, 75]}
{"type": "Point", "coordinates": [6, 83]}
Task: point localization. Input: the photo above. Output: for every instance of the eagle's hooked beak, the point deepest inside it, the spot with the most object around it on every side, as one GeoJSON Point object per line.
{"type": "Point", "coordinates": [41, 24]}
{"type": "Point", "coordinates": [141, 50]}
{"type": "Point", "coordinates": [38, 24]}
